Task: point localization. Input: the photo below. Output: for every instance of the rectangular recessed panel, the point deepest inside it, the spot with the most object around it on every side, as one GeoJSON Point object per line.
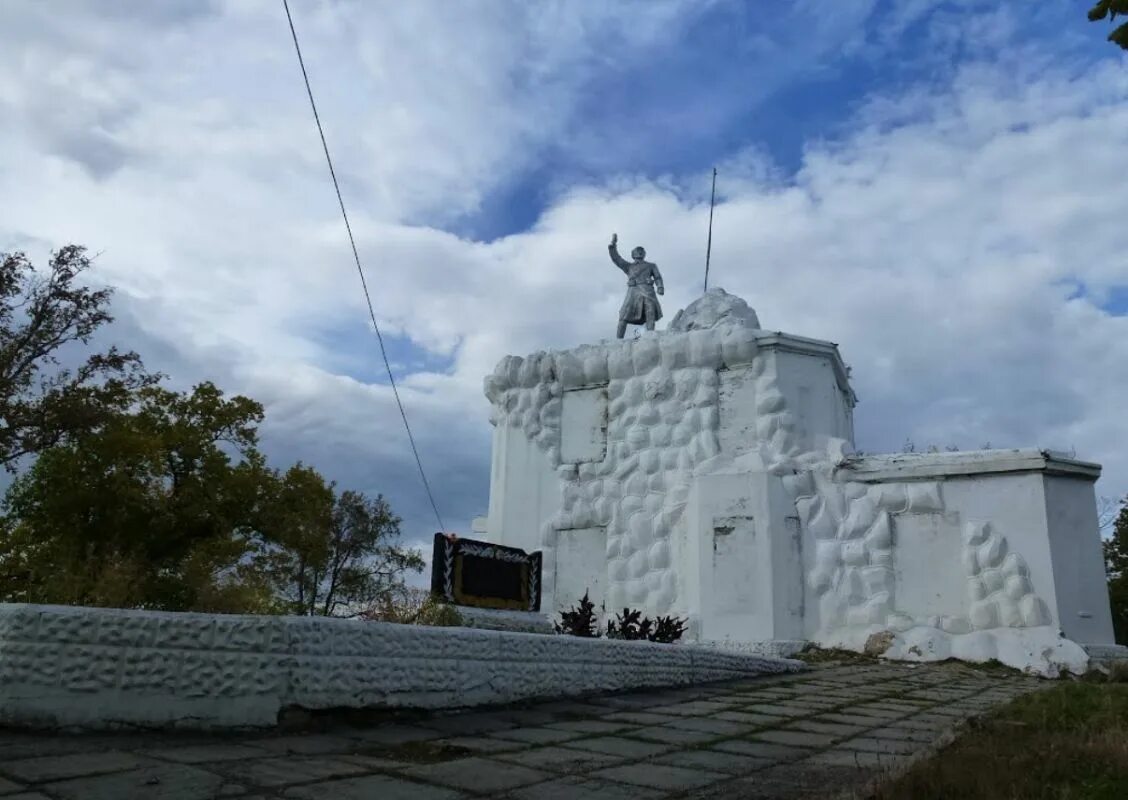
{"type": "Point", "coordinates": [737, 432]}
{"type": "Point", "coordinates": [583, 425]}
{"type": "Point", "coordinates": [927, 568]}
{"type": "Point", "coordinates": [581, 566]}
{"type": "Point", "coordinates": [734, 560]}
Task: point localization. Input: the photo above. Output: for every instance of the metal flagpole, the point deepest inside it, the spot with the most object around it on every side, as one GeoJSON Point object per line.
{"type": "Point", "coordinates": [709, 245]}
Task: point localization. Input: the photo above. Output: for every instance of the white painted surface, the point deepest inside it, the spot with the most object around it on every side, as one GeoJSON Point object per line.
{"type": "Point", "coordinates": [583, 425]}
{"type": "Point", "coordinates": [1078, 564]}
{"type": "Point", "coordinates": [724, 423]}
{"type": "Point", "coordinates": [106, 668]}
{"type": "Point", "coordinates": [663, 428]}
{"type": "Point", "coordinates": [1041, 651]}
{"type": "Point", "coordinates": [581, 568]}
{"type": "Point", "coordinates": [910, 466]}
{"type": "Point", "coordinates": [517, 516]}
{"type": "Point", "coordinates": [927, 572]}
{"type": "Point", "coordinates": [736, 430]}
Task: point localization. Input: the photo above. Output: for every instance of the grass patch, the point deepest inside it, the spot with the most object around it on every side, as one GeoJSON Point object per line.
{"type": "Point", "coordinates": [1065, 743]}
{"type": "Point", "coordinates": [813, 654]}
{"type": "Point", "coordinates": [991, 667]}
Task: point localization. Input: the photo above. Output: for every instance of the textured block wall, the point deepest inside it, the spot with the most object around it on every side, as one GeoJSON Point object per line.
{"type": "Point", "coordinates": [105, 668]}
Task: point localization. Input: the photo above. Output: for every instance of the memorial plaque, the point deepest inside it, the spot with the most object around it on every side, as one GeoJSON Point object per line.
{"type": "Point", "coordinates": [472, 573]}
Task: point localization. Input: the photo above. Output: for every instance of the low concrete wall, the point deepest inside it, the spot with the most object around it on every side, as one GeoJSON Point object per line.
{"type": "Point", "coordinates": [63, 666]}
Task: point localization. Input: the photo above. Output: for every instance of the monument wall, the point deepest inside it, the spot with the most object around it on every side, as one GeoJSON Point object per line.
{"type": "Point", "coordinates": [707, 471]}
{"type": "Point", "coordinates": [100, 668]}
{"type": "Point", "coordinates": [606, 482]}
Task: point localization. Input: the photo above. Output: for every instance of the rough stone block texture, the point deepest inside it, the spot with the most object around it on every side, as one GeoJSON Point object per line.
{"type": "Point", "coordinates": [104, 668]}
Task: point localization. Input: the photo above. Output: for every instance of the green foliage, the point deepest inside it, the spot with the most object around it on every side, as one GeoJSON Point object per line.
{"type": "Point", "coordinates": [149, 510]}
{"type": "Point", "coordinates": [1110, 9]}
{"type": "Point", "coordinates": [580, 621]}
{"type": "Point", "coordinates": [44, 317]}
{"type": "Point", "coordinates": [668, 630]}
{"type": "Point", "coordinates": [413, 606]}
{"type": "Point", "coordinates": [631, 625]}
{"type": "Point", "coordinates": [143, 497]}
{"type": "Point", "coordinates": [1116, 562]}
{"type": "Point", "coordinates": [327, 551]}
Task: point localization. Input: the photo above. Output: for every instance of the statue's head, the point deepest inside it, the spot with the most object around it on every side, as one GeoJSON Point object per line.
{"type": "Point", "coordinates": [638, 254]}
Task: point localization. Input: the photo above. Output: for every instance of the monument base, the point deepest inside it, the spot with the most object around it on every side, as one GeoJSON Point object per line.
{"type": "Point", "coordinates": [97, 668]}
{"type": "Point", "coordinates": [774, 648]}
{"type": "Point", "coordinates": [1106, 655]}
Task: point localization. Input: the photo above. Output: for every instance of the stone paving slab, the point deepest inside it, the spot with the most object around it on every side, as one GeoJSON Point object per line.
{"type": "Point", "coordinates": [560, 759]}
{"type": "Point", "coordinates": [57, 768]}
{"type": "Point", "coordinates": [829, 728]}
{"type": "Point", "coordinates": [536, 735]}
{"type": "Point", "coordinates": [797, 738]}
{"type": "Point", "coordinates": [277, 772]}
{"type": "Point", "coordinates": [757, 720]}
{"type": "Point", "coordinates": [601, 726]}
{"type": "Point", "coordinates": [810, 734]}
{"type": "Point", "coordinates": [371, 787]}
{"type": "Point", "coordinates": [640, 718]}
{"type": "Point", "coordinates": [662, 776]}
{"type": "Point", "coordinates": [481, 744]}
{"type": "Point", "coordinates": [626, 748]}
{"type": "Point", "coordinates": [716, 727]}
{"type": "Point", "coordinates": [667, 734]}
{"type": "Point", "coordinates": [715, 761]}
{"type": "Point", "coordinates": [584, 789]}
{"type": "Point", "coordinates": [310, 745]}
{"type": "Point", "coordinates": [158, 781]}
{"type": "Point", "coordinates": [769, 750]}
{"type": "Point", "coordinates": [478, 775]}
{"type": "Point", "coordinates": [202, 754]}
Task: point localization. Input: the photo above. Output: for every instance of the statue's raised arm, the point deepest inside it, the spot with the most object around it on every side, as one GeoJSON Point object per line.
{"type": "Point", "coordinates": [613, 249]}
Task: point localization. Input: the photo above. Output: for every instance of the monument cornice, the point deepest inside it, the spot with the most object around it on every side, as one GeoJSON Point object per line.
{"type": "Point", "coordinates": [926, 466]}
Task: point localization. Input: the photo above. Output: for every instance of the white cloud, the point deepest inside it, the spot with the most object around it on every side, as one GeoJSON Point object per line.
{"type": "Point", "coordinates": [936, 241]}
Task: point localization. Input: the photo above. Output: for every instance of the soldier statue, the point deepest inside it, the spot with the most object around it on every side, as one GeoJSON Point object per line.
{"type": "Point", "coordinates": [643, 278]}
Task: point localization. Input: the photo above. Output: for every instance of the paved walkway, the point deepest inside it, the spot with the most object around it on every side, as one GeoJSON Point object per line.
{"type": "Point", "coordinates": [814, 734]}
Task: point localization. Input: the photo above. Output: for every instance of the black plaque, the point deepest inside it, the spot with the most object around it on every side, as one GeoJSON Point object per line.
{"type": "Point", "coordinates": [485, 575]}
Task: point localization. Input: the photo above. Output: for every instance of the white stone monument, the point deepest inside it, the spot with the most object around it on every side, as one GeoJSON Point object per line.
{"type": "Point", "coordinates": [706, 471]}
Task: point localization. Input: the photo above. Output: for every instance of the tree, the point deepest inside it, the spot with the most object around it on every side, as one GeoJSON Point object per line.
{"type": "Point", "coordinates": [1116, 562]}
{"type": "Point", "coordinates": [155, 508]}
{"type": "Point", "coordinates": [1110, 9]}
{"type": "Point", "coordinates": [365, 559]}
{"type": "Point", "coordinates": [41, 318]}
{"type": "Point", "coordinates": [328, 551]}
{"type": "Point", "coordinates": [138, 496]}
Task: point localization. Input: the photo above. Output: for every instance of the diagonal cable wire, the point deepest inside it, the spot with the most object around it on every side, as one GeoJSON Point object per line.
{"type": "Point", "coordinates": [360, 270]}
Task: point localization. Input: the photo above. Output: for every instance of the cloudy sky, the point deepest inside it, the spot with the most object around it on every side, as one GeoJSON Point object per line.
{"type": "Point", "coordinates": [939, 187]}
